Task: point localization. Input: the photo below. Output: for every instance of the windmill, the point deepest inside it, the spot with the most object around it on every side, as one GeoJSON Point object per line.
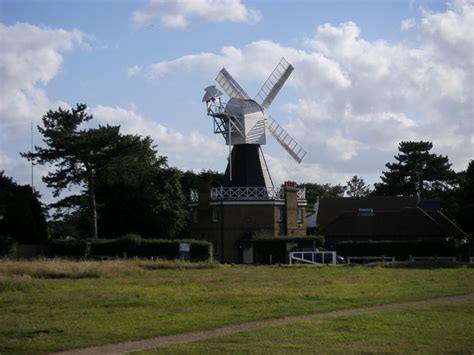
{"type": "Point", "coordinates": [242, 121]}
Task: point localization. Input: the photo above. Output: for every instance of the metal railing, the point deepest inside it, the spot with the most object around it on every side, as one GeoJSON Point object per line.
{"type": "Point", "coordinates": [252, 193]}
{"type": "Point", "coordinates": [312, 257]}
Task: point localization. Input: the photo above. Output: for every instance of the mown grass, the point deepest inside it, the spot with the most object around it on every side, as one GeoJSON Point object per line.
{"type": "Point", "coordinates": [432, 329]}
{"type": "Point", "coordinates": [110, 301]}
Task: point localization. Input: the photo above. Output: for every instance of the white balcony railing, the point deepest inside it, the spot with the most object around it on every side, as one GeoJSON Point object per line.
{"type": "Point", "coordinates": [247, 193]}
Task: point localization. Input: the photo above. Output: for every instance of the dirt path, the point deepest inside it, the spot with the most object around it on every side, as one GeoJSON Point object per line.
{"type": "Point", "coordinates": [183, 338]}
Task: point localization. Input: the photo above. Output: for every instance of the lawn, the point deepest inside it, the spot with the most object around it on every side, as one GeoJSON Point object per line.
{"type": "Point", "coordinates": [422, 329]}
{"type": "Point", "coordinates": [54, 305]}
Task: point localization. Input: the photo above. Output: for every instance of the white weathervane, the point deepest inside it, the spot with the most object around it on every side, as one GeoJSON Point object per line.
{"type": "Point", "coordinates": [243, 120]}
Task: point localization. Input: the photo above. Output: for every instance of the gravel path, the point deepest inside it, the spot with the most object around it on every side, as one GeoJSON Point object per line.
{"type": "Point", "coordinates": [183, 338]}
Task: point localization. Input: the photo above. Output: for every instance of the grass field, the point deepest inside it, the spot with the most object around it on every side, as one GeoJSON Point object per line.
{"type": "Point", "coordinates": [422, 329]}
{"type": "Point", "coordinates": [54, 305]}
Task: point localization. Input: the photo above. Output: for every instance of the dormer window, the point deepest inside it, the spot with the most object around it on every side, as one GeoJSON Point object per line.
{"type": "Point", "coordinates": [365, 212]}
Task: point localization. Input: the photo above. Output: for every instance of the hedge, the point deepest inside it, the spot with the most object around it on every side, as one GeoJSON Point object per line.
{"type": "Point", "coordinates": [400, 250]}
{"type": "Point", "coordinates": [131, 246]}
{"type": "Point", "coordinates": [7, 246]}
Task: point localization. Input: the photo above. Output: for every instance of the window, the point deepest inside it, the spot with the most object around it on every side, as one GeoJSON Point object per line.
{"type": "Point", "coordinates": [215, 248]}
{"type": "Point", "coordinates": [299, 216]}
{"type": "Point", "coordinates": [365, 212]}
{"type": "Point", "coordinates": [195, 215]}
{"type": "Point", "coordinates": [215, 214]}
{"type": "Point", "coordinates": [279, 214]}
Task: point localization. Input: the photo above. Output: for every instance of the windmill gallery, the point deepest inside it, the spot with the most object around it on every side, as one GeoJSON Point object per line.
{"type": "Point", "coordinates": [248, 202]}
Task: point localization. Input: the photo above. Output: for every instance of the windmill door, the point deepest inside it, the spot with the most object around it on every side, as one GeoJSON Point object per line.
{"type": "Point", "coordinates": [248, 254]}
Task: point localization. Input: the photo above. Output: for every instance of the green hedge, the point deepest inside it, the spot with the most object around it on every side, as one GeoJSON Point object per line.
{"type": "Point", "coordinates": [400, 250]}
{"type": "Point", "coordinates": [264, 246]}
{"type": "Point", "coordinates": [131, 245]}
{"type": "Point", "coordinates": [7, 246]}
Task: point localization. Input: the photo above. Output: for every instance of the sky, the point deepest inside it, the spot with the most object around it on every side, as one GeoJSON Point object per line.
{"type": "Point", "coordinates": [368, 75]}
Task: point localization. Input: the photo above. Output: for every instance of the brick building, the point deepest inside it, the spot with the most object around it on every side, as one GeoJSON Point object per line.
{"type": "Point", "coordinates": [229, 216]}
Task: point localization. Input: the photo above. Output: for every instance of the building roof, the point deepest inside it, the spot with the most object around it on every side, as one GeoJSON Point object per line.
{"type": "Point", "coordinates": [330, 208]}
{"type": "Point", "coordinates": [406, 222]}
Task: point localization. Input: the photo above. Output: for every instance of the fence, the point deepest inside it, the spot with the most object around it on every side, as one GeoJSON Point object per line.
{"type": "Point", "coordinates": [315, 257]}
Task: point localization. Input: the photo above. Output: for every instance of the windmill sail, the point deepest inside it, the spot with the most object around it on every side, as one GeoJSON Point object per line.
{"type": "Point", "coordinates": [274, 83]}
{"type": "Point", "coordinates": [230, 86]}
{"type": "Point", "coordinates": [286, 141]}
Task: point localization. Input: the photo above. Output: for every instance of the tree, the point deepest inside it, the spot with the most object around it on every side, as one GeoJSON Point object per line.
{"type": "Point", "coordinates": [417, 171]}
{"type": "Point", "coordinates": [76, 154]}
{"type": "Point", "coordinates": [22, 216]}
{"type": "Point", "coordinates": [125, 183]}
{"type": "Point", "coordinates": [356, 187]}
{"type": "Point", "coordinates": [465, 197]}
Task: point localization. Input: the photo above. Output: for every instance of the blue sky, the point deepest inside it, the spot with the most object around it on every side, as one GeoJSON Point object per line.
{"type": "Point", "coordinates": [368, 74]}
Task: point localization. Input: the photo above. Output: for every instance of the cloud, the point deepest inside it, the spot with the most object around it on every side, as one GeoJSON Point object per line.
{"type": "Point", "coordinates": [175, 14]}
{"type": "Point", "coordinates": [132, 71]}
{"type": "Point", "coordinates": [31, 57]}
{"type": "Point", "coordinates": [357, 99]}
{"type": "Point", "coordinates": [186, 150]}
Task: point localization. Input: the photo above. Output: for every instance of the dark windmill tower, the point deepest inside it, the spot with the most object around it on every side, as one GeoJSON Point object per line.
{"type": "Point", "coordinates": [248, 202]}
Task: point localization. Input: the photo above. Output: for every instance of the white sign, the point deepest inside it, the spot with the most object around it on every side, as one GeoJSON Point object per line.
{"type": "Point", "coordinates": [184, 247]}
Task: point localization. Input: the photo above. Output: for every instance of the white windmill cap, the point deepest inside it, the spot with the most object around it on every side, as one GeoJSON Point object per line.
{"type": "Point", "coordinates": [211, 93]}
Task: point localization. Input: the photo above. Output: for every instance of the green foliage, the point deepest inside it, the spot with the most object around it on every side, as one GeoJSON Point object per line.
{"type": "Point", "coordinates": [128, 188]}
{"type": "Point", "coordinates": [465, 198]}
{"type": "Point", "coordinates": [356, 187]}
{"type": "Point", "coordinates": [23, 217]}
{"type": "Point", "coordinates": [416, 167]}
{"type": "Point", "coordinates": [7, 246]}
{"type": "Point", "coordinates": [130, 246]}
{"type": "Point", "coordinates": [400, 250]}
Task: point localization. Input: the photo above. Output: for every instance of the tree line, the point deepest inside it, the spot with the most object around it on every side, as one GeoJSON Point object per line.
{"type": "Point", "coordinates": [123, 186]}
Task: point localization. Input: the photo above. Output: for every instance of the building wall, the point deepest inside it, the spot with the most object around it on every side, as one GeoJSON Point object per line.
{"type": "Point", "coordinates": [240, 219]}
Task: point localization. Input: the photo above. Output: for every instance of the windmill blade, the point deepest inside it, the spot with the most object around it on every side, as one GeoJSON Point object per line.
{"type": "Point", "coordinates": [274, 83]}
{"type": "Point", "coordinates": [230, 86]}
{"type": "Point", "coordinates": [286, 141]}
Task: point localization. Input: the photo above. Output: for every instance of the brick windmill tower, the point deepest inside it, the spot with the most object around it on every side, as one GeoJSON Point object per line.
{"type": "Point", "coordinates": [248, 202]}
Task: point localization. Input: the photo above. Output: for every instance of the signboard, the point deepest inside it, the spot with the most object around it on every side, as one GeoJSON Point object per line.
{"type": "Point", "coordinates": [184, 247]}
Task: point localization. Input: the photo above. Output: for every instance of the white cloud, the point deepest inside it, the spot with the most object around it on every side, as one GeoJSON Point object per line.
{"type": "Point", "coordinates": [175, 14]}
{"type": "Point", "coordinates": [190, 150]}
{"type": "Point", "coordinates": [31, 57]}
{"type": "Point", "coordinates": [132, 71]}
{"type": "Point", "coordinates": [357, 99]}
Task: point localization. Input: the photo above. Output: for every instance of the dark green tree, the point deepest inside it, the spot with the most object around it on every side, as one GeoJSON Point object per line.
{"type": "Point", "coordinates": [465, 198]}
{"type": "Point", "coordinates": [416, 170]}
{"type": "Point", "coordinates": [122, 178]}
{"type": "Point", "coordinates": [21, 214]}
{"type": "Point", "coordinates": [76, 154]}
{"type": "Point", "coordinates": [356, 187]}
{"type": "Point", "coordinates": [191, 180]}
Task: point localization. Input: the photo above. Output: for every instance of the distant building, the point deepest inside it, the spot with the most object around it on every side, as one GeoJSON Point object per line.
{"type": "Point", "coordinates": [384, 218]}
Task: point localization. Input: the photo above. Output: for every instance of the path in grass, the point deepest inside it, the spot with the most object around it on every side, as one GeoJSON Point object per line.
{"type": "Point", "coordinates": [184, 338]}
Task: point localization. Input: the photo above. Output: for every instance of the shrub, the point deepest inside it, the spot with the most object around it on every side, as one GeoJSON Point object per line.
{"type": "Point", "coordinates": [7, 246]}
{"type": "Point", "coordinates": [131, 245]}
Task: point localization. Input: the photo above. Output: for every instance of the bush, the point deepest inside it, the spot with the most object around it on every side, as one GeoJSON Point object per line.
{"type": "Point", "coordinates": [400, 250]}
{"type": "Point", "coordinates": [132, 245]}
{"type": "Point", "coordinates": [7, 246]}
